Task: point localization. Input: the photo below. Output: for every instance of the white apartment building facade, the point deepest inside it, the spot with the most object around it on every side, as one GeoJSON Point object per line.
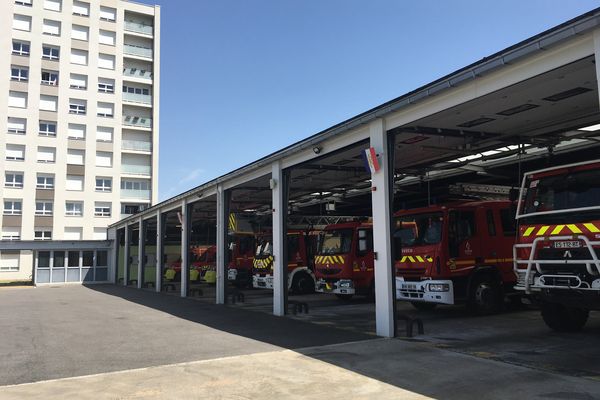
{"type": "Point", "coordinates": [79, 90]}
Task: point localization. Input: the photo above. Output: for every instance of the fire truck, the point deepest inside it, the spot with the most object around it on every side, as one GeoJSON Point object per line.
{"type": "Point", "coordinates": [301, 246]}
{"type": "Point", "coordinates": [459, 252]}
{"type": "Point", "coordinates": [241, 257]}
{"type": "Point", "coordinates": [344, 260]}
{"type": "Point", "coordinates": [556, 258]}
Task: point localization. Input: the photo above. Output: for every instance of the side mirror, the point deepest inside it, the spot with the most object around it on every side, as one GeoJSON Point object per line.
{"type": "Point", "coordinates": [232, 246]}
{"type": "Point", "coordinates": [513, 194]}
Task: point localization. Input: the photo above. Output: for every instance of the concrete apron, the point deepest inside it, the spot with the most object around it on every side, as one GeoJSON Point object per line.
{"type": "Point", "coordinates": [374, 369]}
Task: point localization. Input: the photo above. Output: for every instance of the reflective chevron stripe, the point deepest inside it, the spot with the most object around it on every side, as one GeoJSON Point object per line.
{"type": "Point", "coordinates": [558, 229]}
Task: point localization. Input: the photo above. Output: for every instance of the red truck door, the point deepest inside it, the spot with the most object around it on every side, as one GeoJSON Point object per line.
{"type": "Point", "coordinates": [363, 265]}
{"type": "Point", "coordinates": [464, 242]}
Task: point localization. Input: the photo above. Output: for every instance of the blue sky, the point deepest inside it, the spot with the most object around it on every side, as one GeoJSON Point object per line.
{"type": "Point", "coordinates": [241, 79]}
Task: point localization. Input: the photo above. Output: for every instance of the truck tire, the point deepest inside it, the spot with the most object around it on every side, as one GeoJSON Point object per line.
{"type": "Point", "coordinates": [303, 283]}
{"type": "Point", "coordinates": [562, 318]}
{"type": "Point", "coordinates": [344, 297]}
{"type": "Point", "coordinates": [421, 306]}
{"type": "Point", "coordinates": [485, 296]}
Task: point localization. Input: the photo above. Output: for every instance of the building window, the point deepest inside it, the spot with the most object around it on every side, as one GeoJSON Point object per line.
{"type": "Point", "coordinates": [13, 207]}
{"type": "Point", "coordinates": [43, 207]}
{"type": "Point", "coordinates": [101, 209]}
{"type": "Point", "coordinates": [9, 262]}
{"type": "Point", "coordinates": [78, 81]}
{"type": "Point", "coordinates": [22, 22]}
{"type": "Point", "coordinates": [20, 48]}
{"type": "Point", "coordinates": [103, 159]}
{"type": "Point", "coordinates": [45, 182]}
{"type": "Point", "coordinates": [106, 85]}
{"type": "Point", "coordinates": [11, 233]}
{"type": "Point", "coordinates": [80, 33]}
{"type": "Point", "coordinates": [50, 53]}
{"type": "Point", "coordinates": [132, 208]}
{"type": "Point", "coordinates": [106, 61]}
{"type": "Point", "coordinates": [17, 125]}
{"type": "Point", "coordinates": [108, 14]}
{"type": "Point", "coordinates": [48, 103]}
{"type": "Point", "coordinates": [47, 128]}
{"type": "Point", "coordinates": [73, 209]}
{"type": "Point", "coordinates": [75, 157]}
{"type": "Point", "coordinates": [103, 184]}
{"type": "Point", "coordinates": [52, 5]}
{"type": "Point", "coordinates": [15, 152]}
{"type": "Point", "coordinates": [76, 131]}
{"type": "Point", "coordinates": [19, 73]}
{"type": "Point", "coordinates": [107, 37]}
{"type": "Point", "coordinates": [77, 106]}
{"type": "Point", "coordinates": [134, 185]}
{"type": "Point", "coordinates": [42, 234]}
{"type": "Point", "coordinates": [50, 78]}
{"type": "Point", "coordinates": [17, 99]}
{"type": "Point", "coordinates": [104, 134]}
{"type": "Point", "coordinates": [50, 27]}
{"type": "Point", "coordinates": [46, 154]}
{"type": "Point", "coordinates": [79, 57]}
{"type": "Point", "coordinates": [81, 8]}
{"type": "Point", "coordinates": [136, 90]}
{"type": "Point", "coordinates": [105, 110]}
{"type": "Point", "coordinates": [74, 183]}
{"type": "Point", "coordinates": [13, 180]}
{"type": "Point", "coordinates": [24, 2]}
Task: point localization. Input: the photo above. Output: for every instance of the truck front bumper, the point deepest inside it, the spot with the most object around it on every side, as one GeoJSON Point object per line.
{"type": "Point", "coordinates": [342, 286]}
{"type": "Point", "coordinates": [439, 291]}
{"type": "Point", "coordinates": [262, 282]}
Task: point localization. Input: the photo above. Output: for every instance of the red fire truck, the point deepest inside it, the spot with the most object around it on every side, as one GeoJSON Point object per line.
{"type": "Point", "coordinates": [241, 256]}
{"type": "Point", "coordinates": [557, 255]}
{"type": "Point", "coordinates": [301, 246]}
{"type": "Point", "coordinates": [344, 260]}
{"type": "Point", "coordinates": [455, 253]}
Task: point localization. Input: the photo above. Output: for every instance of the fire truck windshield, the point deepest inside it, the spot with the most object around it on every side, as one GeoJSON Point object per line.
{"type": "Point", "coordinates": [567, 191]}
{"type": "Point", "coordinates": [336, 242]}
{"type": "Point", "coordinates": [420, 229]}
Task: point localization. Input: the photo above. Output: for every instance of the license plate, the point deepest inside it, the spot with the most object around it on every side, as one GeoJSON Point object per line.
{"type": "Point", "coordinates": [567, 244]}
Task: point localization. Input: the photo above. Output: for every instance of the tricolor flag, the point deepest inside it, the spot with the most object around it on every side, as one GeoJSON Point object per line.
{"type": "Point", "coordinates": [370, 159]}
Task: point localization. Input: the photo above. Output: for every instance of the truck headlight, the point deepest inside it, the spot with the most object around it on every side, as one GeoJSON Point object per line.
{"type": "Point", "coordinates": [439, 287]}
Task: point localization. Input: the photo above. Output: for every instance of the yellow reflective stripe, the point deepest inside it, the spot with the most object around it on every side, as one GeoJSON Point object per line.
{"type": "Point", "coordinates": [419, 258]}
{"type": "Point", "coordinates": [411, 259]}
{"type": "Point", "coordinates": [591, 227]}
{"type": "Point", "coordinates": [430, 259]}
{"type": "Point", "coordinates": [574, 228]}
{"type": "Point", "coordinates": [542, 230]}
{"type": "Point", "coordinates": [528, 231]}
{"type": "Point", "coordinates": [404, 258]}
{"type": "Point", "coordinates": [557, 230]}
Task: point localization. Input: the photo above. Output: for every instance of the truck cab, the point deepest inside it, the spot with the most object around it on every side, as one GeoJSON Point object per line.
{"type": "Point", "coordinates": [344, 262]}
{"type": "Point", "coordinates": [455, 253]}
{"type": "Point", "coordinates": [556, 258]}
{"type": "Point", "coordinates": [301, 246]}
{"type": "Point", "coordinates": [241, 256]}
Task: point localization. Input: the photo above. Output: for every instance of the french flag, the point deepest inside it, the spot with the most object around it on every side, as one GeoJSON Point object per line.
{"type": "Point", "coordinates": [370, 158]}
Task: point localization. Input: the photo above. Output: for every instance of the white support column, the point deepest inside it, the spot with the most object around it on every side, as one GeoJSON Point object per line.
{"type": "Point", "coordinates": [222, 220]}
{"type": "Point", "coordinates": [279, 213]}
{"type": "Point", "coordinates": [126, 258]}
{"type": "Point", "coordinates": [597, 56]}
{"type": "Point", "coordinates": [382, 246]}
{"type": "Point", "coordinates": [159, 252]}
{"type": "Point", "coordinates": [141, 241]}
{"type": "Point", "coordinates": [184, 249]}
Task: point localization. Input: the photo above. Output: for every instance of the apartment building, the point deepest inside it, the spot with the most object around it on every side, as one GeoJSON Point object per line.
{"type": "Point", "coordinates": [79, 90]}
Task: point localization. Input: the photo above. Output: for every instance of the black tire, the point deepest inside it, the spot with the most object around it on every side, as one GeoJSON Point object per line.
{"type": "Point", "coordinates": [485, 296]}
{"type": "Point", "coordinates": [421, 306]}
{"type": "Point", "coordinates": [562, 318]}
{"type": "Point", "coordinates": [303, 283]}
{"type": "Point", "coordinates": [344, 297]}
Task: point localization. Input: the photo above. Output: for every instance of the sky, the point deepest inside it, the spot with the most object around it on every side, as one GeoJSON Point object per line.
{"type": "Point", "coordinates": [241, 79]}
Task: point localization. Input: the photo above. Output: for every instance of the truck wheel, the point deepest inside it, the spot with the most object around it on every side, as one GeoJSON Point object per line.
{"type": "Point", "coordinates": [421, 306]}
{"type": "Point", "coordinates": [303, 284]}
{"type": "Point", "coordinates": [345, 297]}
{"type": "Point", "coordinates": [562, 318]}
{"type": "Point", "coordinates": [484, 295]}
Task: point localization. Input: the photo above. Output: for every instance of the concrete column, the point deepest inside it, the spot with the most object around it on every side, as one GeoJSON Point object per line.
{"type": "Point", "coordinates": [141, 241]}
{"type": "Point", "coordinates": [185, 250]}
{"type": "Point", "coordinates": [126, 258]}
{"type": "Point", "coordinates": [382, 245]}
{"type": "Point", "coordinates": [597, 55]}
{"type": "Point", "coordinates": [279, 263]}
{"type": "Point", "coordinates": [159, 251]}
{"type": "Point", "coordinates": [222, 219]}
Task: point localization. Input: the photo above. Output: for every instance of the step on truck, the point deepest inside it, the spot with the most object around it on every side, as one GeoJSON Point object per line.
{"type": "Point", "coordinates": [301, 247]}
{"type": "Point", "coordinates": [344, 262]}
{"type": "Point", "coordinates": [455, 253]}
{"type": "Point", "coordinates": [556, 258]}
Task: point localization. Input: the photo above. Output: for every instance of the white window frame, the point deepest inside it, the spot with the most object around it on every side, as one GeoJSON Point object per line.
{"type": "Point", "coordinates": [74, 208]}
{"type": "Point", "coordinates": [51, 50]}
{"type": "Point", "coordinates": [53, 5]}
{"type": "Point", "coordinates": [104, 159]}
{"type": "Point", "coordinates": [106, 85]}
{"type": "Point", "coordinates": [19, 73]}
{"type": "Point", "coordinates": [101, 185]}
{"type": "Point", "coordinates": [75, 183]}
{"type": "Point", "coordinates": [15, 207]}
{"type": "Point", "coordinates": [81, 8]}
{"type": "Point", "coordinates": [44, 208]}
{"type": "Point", "coordinates": [46, 100]}
{"type": "Point", "coordinates": [21, 51]}
{"type": "Point", "coordinates": [78, 81]}
{"type": "Point", "coordinates": [21, 22]}
{"type": "Point", "coordinates": [27, 3]}
{"type": "Point", "coordinates": [51, 27]}
{"type": "Point", "coordinates": [15, 148]}
{"type": "Point", "coordinates": [108, 14]}
{"type": "Point", "coordinates": [80, 32]}
{"type": "Point", "coordinates": [108, 38]}
{"type": "Point", "coordinates": [17, 99]}
{"type": "Point", "coordinates": [11, 235]}
{"type": "Point", "coordinates": [52, 78]}
{"type": "Point", "coordinates": [11, 181]}
{"type": "Point", "coordinates": [46, 183]}
{"type": "Point", "coordinates": [76, 131]}
{"type": "Point", "coordinates": [105, 131]}
{"type": "Point", "coordinates": [79, 57]}
{"type": "Point", "coordinates": [48, 153]}
{"type": "Point", "coordinates": [42, 234]}
{"type": "Point", "coordinates": [46, 131]}
{"type": "Point", "coordinates": [106, 61]}
{"type": "Point", "coordinates": [77, 106]}
{"type": "Point", "coordinates": [17, 126]}
{"type": "Point", "coordinates": [102, 209]}
{"type": "Point", "coordinates": [106, 110]}
{"type": "Point", "coordinates": [75, 155]}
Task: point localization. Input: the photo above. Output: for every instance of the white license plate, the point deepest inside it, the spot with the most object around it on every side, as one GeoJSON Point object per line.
{"type": "Point", "coordinates": [567, 244]}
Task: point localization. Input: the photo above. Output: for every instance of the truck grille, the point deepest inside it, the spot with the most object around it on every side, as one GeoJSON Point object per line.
{"type": "Point", "coordinates": [329, 271]}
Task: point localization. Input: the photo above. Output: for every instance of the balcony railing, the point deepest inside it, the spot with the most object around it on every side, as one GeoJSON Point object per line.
{"type": "Point", "coordinates": [136, 169]}
{"type": "Point", "coordinates": [139, 27]}
{"type": "Point", "coordinates": [135, 194]}
{"type": "Point", "coordinates": [137, 98]}
{"type": "Point", "coordinates": [137, 73]}
{"type": "Point", "coordinates": [136, 145]}
{"type": "Point", "coordinates": [139, 122]}
{"type": "Point", "coordinates": [135, 50]}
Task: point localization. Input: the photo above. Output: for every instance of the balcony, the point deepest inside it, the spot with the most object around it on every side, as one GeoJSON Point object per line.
{"type": "Point", "coordinates": [144, 170]}
{"type": "Point", "coordinates": [138, 122]}
{"type": "Point", "coordinates": [139, 27]}
{"type": "Point", "coordinates": [135, 194]}
{"type": "Point", "coordinates": [137, 73]}
{"type": "Point", "coordinates": [137, 98]}
{"type": "Point", "coordinates": [136, 145]}
{"type": "Point", "coordinates": [138, 51]}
